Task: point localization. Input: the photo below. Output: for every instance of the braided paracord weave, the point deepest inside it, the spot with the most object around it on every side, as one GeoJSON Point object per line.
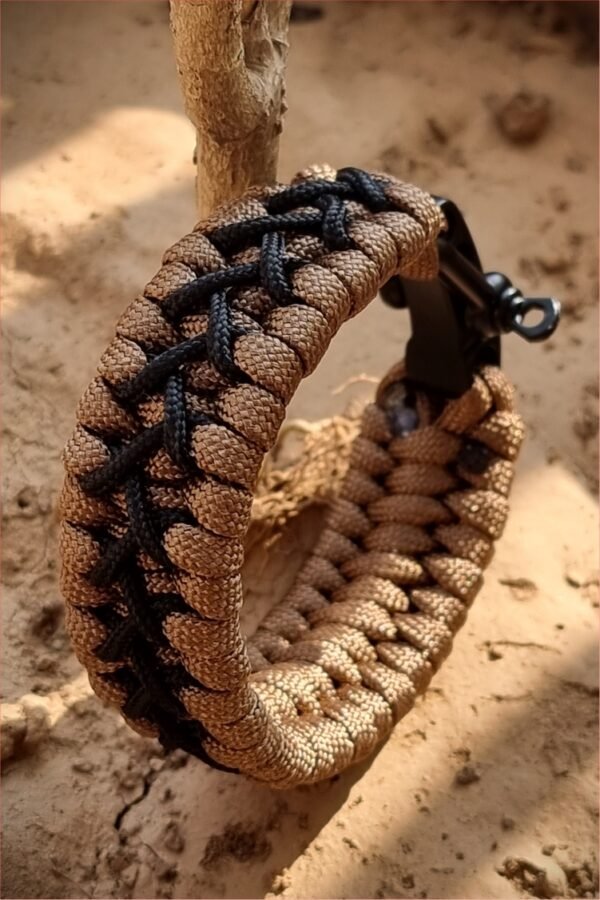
{"type": "Point", "coordinates": [161, 468]}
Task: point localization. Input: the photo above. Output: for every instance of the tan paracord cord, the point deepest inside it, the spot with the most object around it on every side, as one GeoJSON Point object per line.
{"type": "Point", "coordinates": [171, 433]}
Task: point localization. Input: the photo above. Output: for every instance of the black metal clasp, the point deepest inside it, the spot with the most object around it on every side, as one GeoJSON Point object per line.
{"type": "Point", "coordinates": [457, 318]}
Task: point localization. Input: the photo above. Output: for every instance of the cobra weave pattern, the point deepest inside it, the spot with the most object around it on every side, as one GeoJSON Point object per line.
{"type": "Point", "coordinates": [161, 468]}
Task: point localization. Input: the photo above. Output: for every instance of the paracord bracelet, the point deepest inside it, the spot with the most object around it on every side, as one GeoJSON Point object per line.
{"type": "Point", "coordinates": [171, 433]}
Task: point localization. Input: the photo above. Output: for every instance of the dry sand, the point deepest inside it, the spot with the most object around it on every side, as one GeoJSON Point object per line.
{"type": "Point", "coordinates": [97, 182]}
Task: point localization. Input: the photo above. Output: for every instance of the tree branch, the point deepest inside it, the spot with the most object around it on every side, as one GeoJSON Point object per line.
{"type": "Point", "coordinates": [231, 57]}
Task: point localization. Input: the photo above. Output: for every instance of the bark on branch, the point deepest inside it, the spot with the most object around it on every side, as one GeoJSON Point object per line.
{"type": "Point", "coordinates": [231, 57]}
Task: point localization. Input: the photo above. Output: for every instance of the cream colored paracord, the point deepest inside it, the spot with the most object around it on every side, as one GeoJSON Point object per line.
{"type": "Point", "coordinates": [171, 433]}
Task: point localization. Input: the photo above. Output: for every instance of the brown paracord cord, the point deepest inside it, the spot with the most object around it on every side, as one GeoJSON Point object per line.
{"type": "Point", "coordinates": [171, 433]}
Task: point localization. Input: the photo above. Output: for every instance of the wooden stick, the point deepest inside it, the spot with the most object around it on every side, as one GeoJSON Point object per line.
{"type": "Point", "coordinates": [231, 57]}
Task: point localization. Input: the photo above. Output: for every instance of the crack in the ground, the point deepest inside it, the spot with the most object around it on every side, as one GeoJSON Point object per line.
{"type": "Point", "coordinates": [148, 780]}
{"type": "Point", "coordinates": [175, 760]}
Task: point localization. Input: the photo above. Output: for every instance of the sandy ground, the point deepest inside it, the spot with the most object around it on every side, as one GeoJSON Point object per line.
{"type": "Point", "coordinates": [97, 182]}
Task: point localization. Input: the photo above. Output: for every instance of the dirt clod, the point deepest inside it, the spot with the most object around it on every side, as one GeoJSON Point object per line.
{"type": "Point", "coordinates": [84, 766]}
{"type": "Point", "coordinates": [129, 875]}
{"type": "Point", "coordinates": [46, 621]}
{"type": "Point", "coordinates": [173, 838]}
{"type": "Point", "coordinates": [46, 664]}
{"type": "Point", "coordinates": [524, 117]}
{"type": "Point", "coordinates": [467, 775]}
{"type": "Point", "coordinates": [350, 842]}
{"type": "Point", "coordinates": [239, 842]}
{"type": "Point", "coordinates": [281, 882]}
{"type": "Point", "coordinates": [23, 725]}
{"type": "Point", "coordinates": [586, 425]}
{"type": "Point", "coordinates": [541, 880]}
